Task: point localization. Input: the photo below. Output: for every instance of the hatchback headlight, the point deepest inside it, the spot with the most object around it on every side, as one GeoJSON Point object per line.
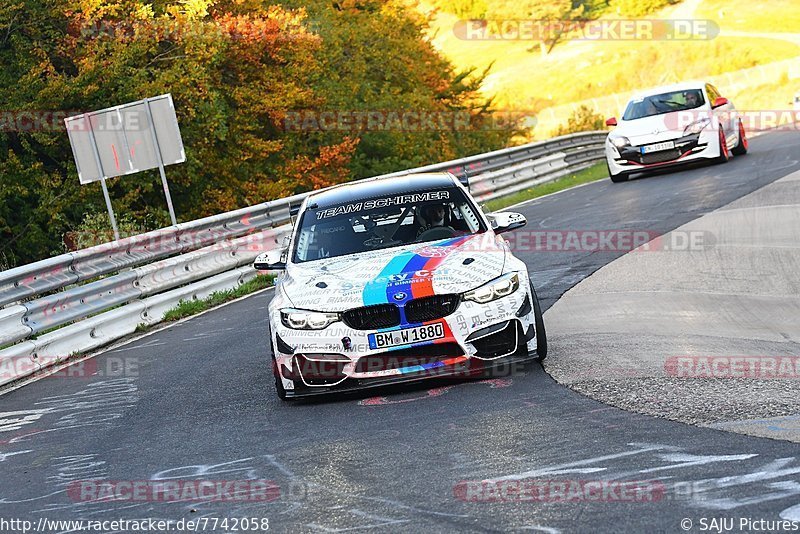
{"type": "Point", "coordinates": [497, 288]}
{"type": "Point", "coordinates": [696, 127]}
{"type": "Point", "coordinates": [306, 319]}
{"type": "Point", "coordinates": [620, 142]}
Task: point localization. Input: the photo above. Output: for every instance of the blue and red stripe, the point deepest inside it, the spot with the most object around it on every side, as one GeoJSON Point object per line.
{"type": "Point", "coordinates": [398, 276]}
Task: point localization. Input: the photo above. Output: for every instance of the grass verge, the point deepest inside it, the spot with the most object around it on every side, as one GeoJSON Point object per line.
{"type": "Point", "coordinates": [596, 172]}
{"type": "Point", "coordinates": [186, 308]}
{"type": "Point", "coordinates": [745, 15]}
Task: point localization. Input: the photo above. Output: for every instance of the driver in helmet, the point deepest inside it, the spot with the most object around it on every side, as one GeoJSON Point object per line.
{"type": "Point", "coordinates": [432, 216]}
{"type": "Point", "coordinates": [692, 99]}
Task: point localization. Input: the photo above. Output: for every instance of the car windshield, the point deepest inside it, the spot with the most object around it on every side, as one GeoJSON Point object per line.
{"type": "Point", "coordinates": [663, 103]}
{"type": "Point", "coordinates": [379, 223]}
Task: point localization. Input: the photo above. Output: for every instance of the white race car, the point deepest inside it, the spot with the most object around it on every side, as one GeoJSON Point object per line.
{"type": "Point", "coordinates": [394, 280]}
{"type": "Point", "coordinates": [673, 125]}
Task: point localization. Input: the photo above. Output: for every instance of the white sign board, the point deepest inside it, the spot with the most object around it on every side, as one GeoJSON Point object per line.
{"type": "Point", "coordinates": [120, 140]}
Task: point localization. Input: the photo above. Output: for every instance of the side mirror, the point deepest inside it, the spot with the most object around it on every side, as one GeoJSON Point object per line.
{"type": "Point", "coordinates": [611, 122]}
{"type": "Point", "coordinates": [270, 261]}
{"type": "Point", "coordinates": [719, 101]}
{"type": "Point", "coordinates": [505, 221]}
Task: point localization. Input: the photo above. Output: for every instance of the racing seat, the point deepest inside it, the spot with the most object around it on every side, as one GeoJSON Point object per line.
{"type": "Point", "coordinates": [342, 239]}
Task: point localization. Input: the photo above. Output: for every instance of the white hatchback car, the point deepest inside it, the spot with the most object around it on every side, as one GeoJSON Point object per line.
{"type": "Point", "coordinates": [673, 125]}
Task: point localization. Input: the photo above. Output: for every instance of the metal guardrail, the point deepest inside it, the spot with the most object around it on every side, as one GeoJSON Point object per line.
{"type": "Point", "coordinates": [143, 276]}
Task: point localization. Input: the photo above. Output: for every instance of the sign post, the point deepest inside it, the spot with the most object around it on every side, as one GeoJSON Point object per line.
{"type": "Point", "coordinates": [160, 163]}
{"type": "Point", "coordinates": [109, 207]}
{"type": "Point", "coordinates": [114, 142]}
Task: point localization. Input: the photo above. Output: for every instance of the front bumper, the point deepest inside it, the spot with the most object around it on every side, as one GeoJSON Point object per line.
{"type": "Point", "coordinates": [477, 338]}
{"type": "Point", "coordinates": [469, 368]}
{"type": "Point", "coordinates": [629, 159]}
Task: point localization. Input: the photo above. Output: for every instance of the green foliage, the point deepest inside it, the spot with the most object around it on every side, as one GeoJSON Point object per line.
{"type": "Point", "coordinates": [465, 9]}
{"type": "Point", "coordinates": [235, 69]}
{"type": "Point", "coordinates": [638, 8]}
{"type": "Point", "coordinates": [598, 171]}
{"type": "Point", "coordinates": [376, 60]}
{"type": "Point", "coordinates": [583, 119]}
{"type": "Point", "coordinates": [554, 14]}
{"type": "Point", "coordinates": [523, 9]}
{"type": "Point", "coordinates": [5, 264]}
{"type": "Point", "coordinates": [534, 9]}
{"type": "Point", "coordinates": [186, 308]}
{"type": "Point", "coordinates": [749, 16]}
{"type": "Point", "coordinates": [96, 229]}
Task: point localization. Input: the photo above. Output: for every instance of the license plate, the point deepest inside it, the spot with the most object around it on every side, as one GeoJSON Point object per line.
{"type": "Point", "coordinates": [666, 145]}
{"type": "Point", "coordinates": [406, 336]}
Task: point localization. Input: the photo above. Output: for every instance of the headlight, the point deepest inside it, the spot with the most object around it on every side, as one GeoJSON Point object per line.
{"type": "Point", "coordinates": [620, 142]}
{"type": "Point", "coordinates": [696, 127]}
{"type": "Point", "coordinates": [307, 320]}
{"type": "Point", "coordinates": [497, 288]}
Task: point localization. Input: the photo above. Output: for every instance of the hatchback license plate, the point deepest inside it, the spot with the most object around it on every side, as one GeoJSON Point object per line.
{"type": "Point", "coordinates": [666, 145]}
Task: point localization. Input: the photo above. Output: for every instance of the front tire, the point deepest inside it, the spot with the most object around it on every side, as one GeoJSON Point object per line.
{"type": "Point", "coordinates": [741, 147]}
{"type": "Point", "coordinates": [279, 389]}
{"type": "Point", "coordinates": [616, 178]}
{"type": "Point", "coordinates": [538, 320]}
{"type": "Point", "coordinates": [724, 153]}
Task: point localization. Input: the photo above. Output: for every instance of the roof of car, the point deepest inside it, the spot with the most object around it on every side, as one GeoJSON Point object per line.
{"type": "Point", "coordinates": [381, 187]}
{"type": "Point", "coordinates": [683, 86]}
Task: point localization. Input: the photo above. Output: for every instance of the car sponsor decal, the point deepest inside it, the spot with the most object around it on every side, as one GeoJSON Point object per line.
{"type": "Point", "coordinates": [418, 368]}
{"type": "Point", "coordinates": [367, 205]}
{"type": "Point", "coordinates": [432, 365]}
{"type": "Point", "coordinates": [398, 277]}
{"type": "Point", "coordinates": [423, 286]}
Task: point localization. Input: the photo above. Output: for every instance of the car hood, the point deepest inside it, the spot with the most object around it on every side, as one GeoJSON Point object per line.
{"type": "Point", "coordinates": [652, 129]}
{"type": "Point", "coordinates": [395, 275]}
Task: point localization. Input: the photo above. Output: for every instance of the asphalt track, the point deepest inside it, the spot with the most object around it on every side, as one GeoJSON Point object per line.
{"type": "Point", "coordinates": [196, 401]}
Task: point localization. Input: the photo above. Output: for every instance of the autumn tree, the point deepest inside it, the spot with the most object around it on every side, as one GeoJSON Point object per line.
{"type": "Point", "coordinates": [582, 119]}
{"type": "Point", "coordinates": [235, 68]}
{"type": "Point", "coordinates": [227, 71]}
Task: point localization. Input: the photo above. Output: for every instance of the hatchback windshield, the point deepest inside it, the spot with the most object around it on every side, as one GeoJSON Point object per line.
{"type": "Point", "coordinates": [378, 223]}
{"type": "Point", "coordinates": [664, 103]}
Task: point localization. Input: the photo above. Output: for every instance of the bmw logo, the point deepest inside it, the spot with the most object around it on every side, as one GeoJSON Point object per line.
{"type": "Point", "coordinates": [399, 296]}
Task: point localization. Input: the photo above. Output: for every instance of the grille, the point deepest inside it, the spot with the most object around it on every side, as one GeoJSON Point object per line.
{"type": "Point", "coordinates": [430, 308]}
{"type": "Point", "coordinates": [372, 317]}
{"type": "Point", "coordinates": [660, 157]}
{"type": "Point", "coordinates": [397, 359]}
